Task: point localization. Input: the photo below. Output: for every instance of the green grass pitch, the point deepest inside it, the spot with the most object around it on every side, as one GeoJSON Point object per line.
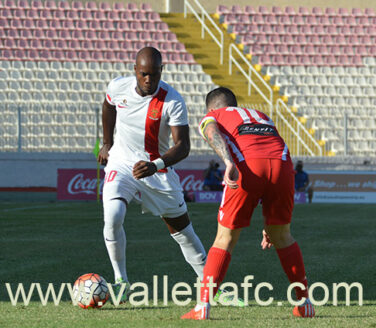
{"type": "Point", "coordinates": [57, 242]}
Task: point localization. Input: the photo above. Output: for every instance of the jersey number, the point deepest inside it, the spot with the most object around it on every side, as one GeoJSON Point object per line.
{"type": "Point", "coordinates": [110, 176]}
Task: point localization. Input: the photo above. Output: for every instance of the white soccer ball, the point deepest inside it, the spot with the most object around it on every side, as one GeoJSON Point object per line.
{"type": "Point", "coordinates": [90, 291]}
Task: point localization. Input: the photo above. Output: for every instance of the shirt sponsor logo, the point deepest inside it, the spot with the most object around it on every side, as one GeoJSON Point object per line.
{"type": "Point", "coordinates": [257, 129]}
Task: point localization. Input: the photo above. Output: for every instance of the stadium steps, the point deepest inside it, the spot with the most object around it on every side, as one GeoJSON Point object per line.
{"type": "Point", "coordinates": [206, 53]}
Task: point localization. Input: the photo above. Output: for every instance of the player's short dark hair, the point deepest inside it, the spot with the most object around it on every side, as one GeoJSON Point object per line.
{"type": "Point", "coordinates": [227, 97]}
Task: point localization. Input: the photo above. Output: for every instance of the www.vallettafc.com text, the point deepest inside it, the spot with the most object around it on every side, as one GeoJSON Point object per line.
{"type": "Point", "coordinates": [181, 293]}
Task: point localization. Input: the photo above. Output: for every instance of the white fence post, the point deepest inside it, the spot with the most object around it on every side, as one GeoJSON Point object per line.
{"type": "Point", "coordinates": [19, 130]}
{"type": "Point", "coordinates": [167, 6]}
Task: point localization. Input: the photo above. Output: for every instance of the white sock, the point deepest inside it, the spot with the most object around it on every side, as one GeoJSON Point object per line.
{"type": "Point", "coordinates": [192, 249]}
{"type": "Point", "coordinates": [204, 309]}
{"type": "Point", "coordinates": [114, 236]}
{"type": "Point", "coordinates": [199, 307]}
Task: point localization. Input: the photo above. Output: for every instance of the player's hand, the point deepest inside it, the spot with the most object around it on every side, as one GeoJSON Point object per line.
{"type": "Point", "coordinates": [143, 169]}
{"type": "Point", "coordinates": [103, 154]}
{"type": "Point", "coordinates": [265, 243]}
{"type": "Point", "coordinates": [231, 175]}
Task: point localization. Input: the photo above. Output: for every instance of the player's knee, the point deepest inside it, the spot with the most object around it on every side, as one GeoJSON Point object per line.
{"type": "Point", "coordinates": [114, 213]}
{"type": "Point", "coordinates": [280, 236]}
{"type": "Point", "coordinates": [224, 241]}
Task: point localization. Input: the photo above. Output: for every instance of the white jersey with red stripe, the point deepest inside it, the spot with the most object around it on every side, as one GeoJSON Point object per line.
{"type": "Point", "coordinates": [143, 123]}
{"type": "Point", "coordinates": [143, 127]}
{"type": "Point", "coordinates": [249, 133]}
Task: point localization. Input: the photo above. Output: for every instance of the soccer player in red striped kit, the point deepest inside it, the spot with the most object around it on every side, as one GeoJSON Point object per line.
{"type": "Point", "coordinates": [145, 111]}
{"type": "Point", "coordinates": [258, 166]}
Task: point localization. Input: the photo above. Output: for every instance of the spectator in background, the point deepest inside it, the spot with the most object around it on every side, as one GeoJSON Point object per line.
{"type": "Point", "coordinates": [302, 181]}
{"type": "Point", "coordinates": [213, 177]}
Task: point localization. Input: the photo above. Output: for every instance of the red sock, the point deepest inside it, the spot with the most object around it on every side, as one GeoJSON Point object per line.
{"type": "Point", "coordinates": [292, 262]}
{"type": "Point", "coordinates": [216, 267]}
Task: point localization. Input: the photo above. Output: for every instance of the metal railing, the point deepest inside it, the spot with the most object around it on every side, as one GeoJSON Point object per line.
{"type": "Point", "coordinates": [201, 18]}
{"type": "Point", "coordinates": [18, 134]}
{"type": "Point", "coordinates": [252, 72]}
{"type": "Point", "coordinates": [248, 76]}
{"type": "Point", "coordinates": [298, 130]}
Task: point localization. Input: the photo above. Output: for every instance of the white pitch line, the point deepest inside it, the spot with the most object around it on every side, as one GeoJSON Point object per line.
{"type": "Point", "coordinates": [29, 207]}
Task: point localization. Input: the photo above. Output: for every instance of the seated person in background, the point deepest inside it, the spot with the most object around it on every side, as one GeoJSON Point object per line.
{"type": "Point", "coordinates": [213, 177]}
{"type": "Point", "coordinates": [302, 181]}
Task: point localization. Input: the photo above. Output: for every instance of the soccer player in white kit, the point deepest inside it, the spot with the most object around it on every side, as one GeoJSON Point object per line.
{"type": "Point", "coordinates": [145, 111]}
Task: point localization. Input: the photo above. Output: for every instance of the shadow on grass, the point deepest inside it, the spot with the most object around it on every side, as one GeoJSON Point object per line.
{"type": "Point", "coordinates": [209, 66]}
{"type": "Point", "coordinates": [226, 319]}
{"type": "Point", "coordinates": [320, 316]}
{"type": "Point", "coordinates": [183, 35]}
{"type": "Point", "coordinates": [136, 308]}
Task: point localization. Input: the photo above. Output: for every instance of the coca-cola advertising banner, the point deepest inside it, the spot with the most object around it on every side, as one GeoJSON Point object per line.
{"type": "Point", "coordinates": [81, 184]}
{"type": "Point", "coordinates": [78, 184]}
{"type": "Point", "coordinates": [329, 187]}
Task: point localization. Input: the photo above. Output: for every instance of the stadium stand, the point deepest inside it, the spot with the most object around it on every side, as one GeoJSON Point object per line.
{"type": "Point", "coordinates": [324, 60]}
{"type": "Point", "coordinates": [56, 59]}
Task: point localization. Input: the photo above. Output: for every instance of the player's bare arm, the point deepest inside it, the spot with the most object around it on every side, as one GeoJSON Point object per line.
{"type": "Point", "coordinates": [108, 122]}
{"type": "Point", "coordinates": [180, 150]}
{"type": "Point", "coordinates": [216, 141]}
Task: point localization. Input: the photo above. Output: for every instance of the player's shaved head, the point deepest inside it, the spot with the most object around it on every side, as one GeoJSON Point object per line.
{"type": "Point", "coordinates": [219, 98]}
{"type": "Point", "coordinates": [148, 69]}
{"type": "Point", "coordinates": [149, 56]}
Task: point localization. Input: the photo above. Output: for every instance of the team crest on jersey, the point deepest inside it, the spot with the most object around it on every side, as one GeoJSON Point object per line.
{"type": "Point", "coordinates": [123, 104]}
{"type": "Point", "coordinates": [154, 114]}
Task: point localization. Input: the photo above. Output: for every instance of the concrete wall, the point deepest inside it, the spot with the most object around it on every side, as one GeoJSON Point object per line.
{"type": "Point", "coordinates": [40, 169]}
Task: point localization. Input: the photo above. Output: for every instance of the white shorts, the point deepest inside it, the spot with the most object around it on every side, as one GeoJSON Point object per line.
{"type": "Point", "coordinates": [161, 194]}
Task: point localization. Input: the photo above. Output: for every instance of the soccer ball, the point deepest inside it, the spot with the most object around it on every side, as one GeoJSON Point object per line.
{"type": "Point", "coordinates": [90, 291]}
